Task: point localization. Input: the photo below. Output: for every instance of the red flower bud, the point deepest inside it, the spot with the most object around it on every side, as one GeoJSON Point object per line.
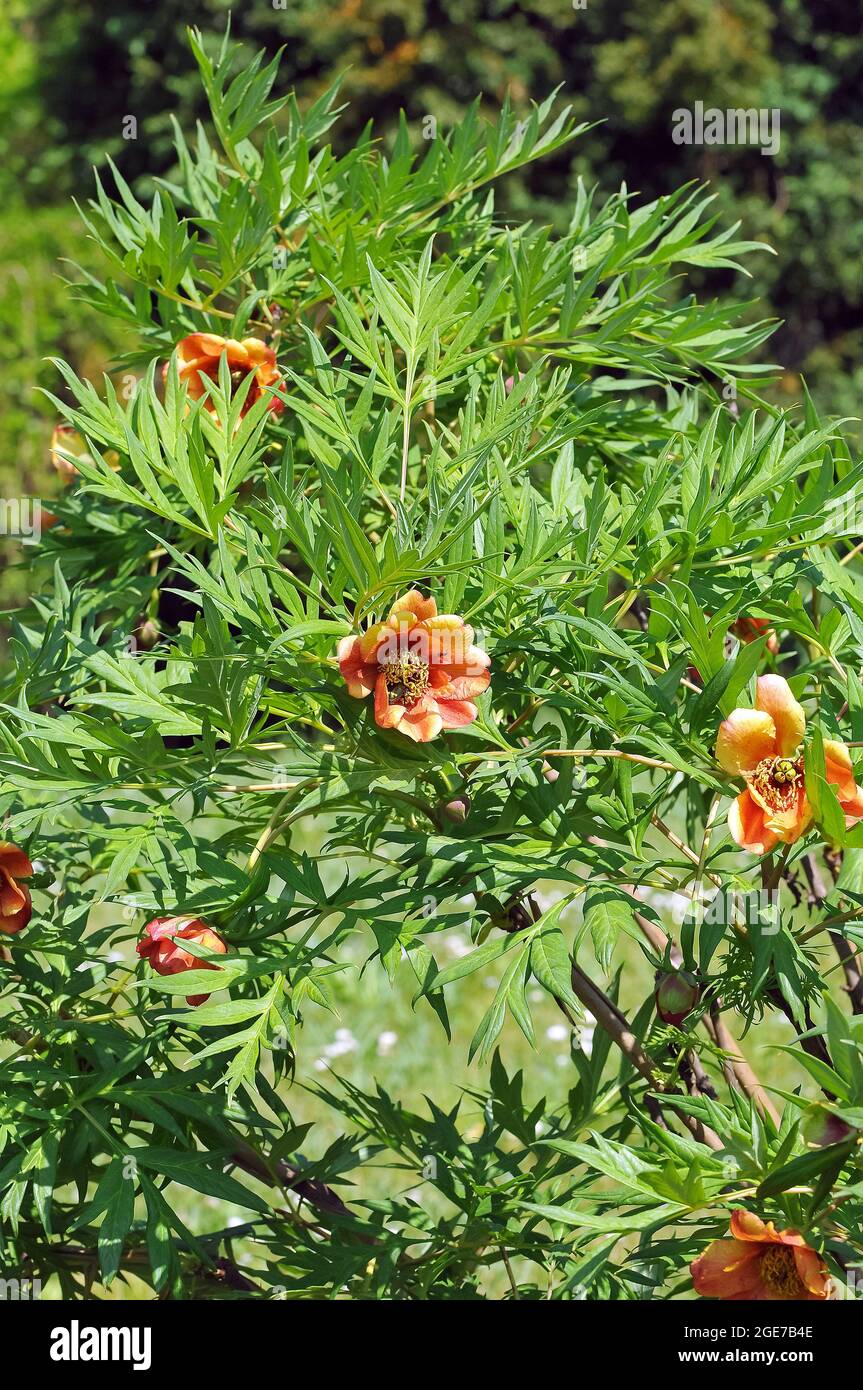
{"type": "Point", "coordinates": [676, 995]}
{"type": "Point", "coordinates": [15, 907]}
{"type": "Point", "coordinates": [168, 958]}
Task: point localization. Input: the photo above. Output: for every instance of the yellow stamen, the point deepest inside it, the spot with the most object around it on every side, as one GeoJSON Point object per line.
{"type": "Point", "coordinates": [407, 679]}
{"type": "Point", "coordinates": [779, 1272]}
{"type": "Point", "coordinates": [775, 780]}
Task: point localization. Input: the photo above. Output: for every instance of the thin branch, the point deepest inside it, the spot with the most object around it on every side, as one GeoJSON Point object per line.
{"type": "Point", "coordinates": [609, 1017]}
{"type": "Point", "coordinates": [742, 1071]}
{"type": "Point", "coordinates": [609, 753]}
{"type": "Point", "coordinates": [818, 892]}
{"type": "Point", "coordinates": [737, 1069]}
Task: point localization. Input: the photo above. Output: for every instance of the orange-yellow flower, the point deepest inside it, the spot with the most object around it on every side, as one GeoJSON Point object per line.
{"type": "Point", "coordinates": [763, 746]}
{"type": "Point", "coordinates": [158, 945]}
{"type": "Point", "coordinates": [198, 358]}
{"type": "Point", "coordinates": [760, 1263]}
{"type": "Point", "coordinates": [15, 907]}
{"type": "Point", "coordinates": [421, 664]}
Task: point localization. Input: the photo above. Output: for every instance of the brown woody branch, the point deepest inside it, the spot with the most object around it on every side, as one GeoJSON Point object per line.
{"type": "Point", "coordinates": [848, 957]}
{"type": "Point", "coordinates": [616, 1025]}
{"type": "Point", "coordinates": [737, 1070]}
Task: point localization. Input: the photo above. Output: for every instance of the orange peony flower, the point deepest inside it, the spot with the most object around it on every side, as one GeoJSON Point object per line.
{"type": "Point", "coordinates": [763, 746]}
{"type": "Point", "coordinates": [421, 664]}
{"type": "Point", "coordinates": [15, 907]}
{"type": "Point", "coordinates": [198, 357]}
{"type": "Point", "coordinates": [167, 958]}
{"type": "Point", "coordinates": [760, 1263]}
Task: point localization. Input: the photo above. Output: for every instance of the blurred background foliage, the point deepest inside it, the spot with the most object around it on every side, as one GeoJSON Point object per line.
{"type": "Point", "coordinates": [70, 75]}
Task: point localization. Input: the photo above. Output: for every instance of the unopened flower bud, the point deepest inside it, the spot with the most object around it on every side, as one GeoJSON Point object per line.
{"type": "Point", "coordinates": [676, 996]}
{"type": "Point", "coordinates": [821, 1127]}
{"type": "Point", "coordinates": [147, 633]}
{"type": "Point", "coordinates": [458, 809]}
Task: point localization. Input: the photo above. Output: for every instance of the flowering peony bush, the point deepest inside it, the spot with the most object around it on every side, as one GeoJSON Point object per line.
{"type": "Point", "coordinates": [423, 570]}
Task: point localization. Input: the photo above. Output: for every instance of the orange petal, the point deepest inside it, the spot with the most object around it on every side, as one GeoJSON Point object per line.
{"type": "Point", "coordinates": [744, 738]}
{"type": "Point", "coordinates": [773, 695]}
{"type": "Point", "coordinates": [475, 662]}
{"type": "Point", "coordinates": [387, 716]}
{"type": "Point", "coordinates": [447, 687]}
{"type": "Point", "coordinates": [358, 675]}
{"type": "Point", "coordinates": [746, 821]}
{"type": "Point", "coordinates": [413, 602]}
{"type": "Point", "coordinates": [371, 639]}
{"type": "Point", "coordinates": [745, 1225]}
{"type": "Point", "coordinates": [455, 714]}
{"type": "Point", "coordinates": [787, 825]}
{"type": "Point", "coordinates": [235, 352]}
{"type": "Point", "coordinates": [726, 1269]}
{"type": "Point", "coordinates": [421, 724]}
{"type": "Point", "coordinates": [755, 1292]}
{"type": "Point", "coordinates": [840, 773]}
{"type": "Point", "coordinates": [195, 386]}
{"type": "Point", "coordinates": [446, 622]}
{"type": "Point", "coordinates": [258, 353]}
{"type": "Point", "coordinates": [448, 639]}
{"type": "Point", "coordinates": [854, 808]}
{"type": "Point", "coordinates": [212, 942]}
{"type": "Point", "coordinates": [12, 894]}
{"type": "Point", "coordinates": [15, 905]}
{"type": "Point", "coordinates": [791, 824]}
{"type": "Point", "coordinates": [476, 659]}
{"type": "Point", "coordinates": [200, 345]}
{"type": "Point", "coordinates": [14, 860]}
{"type": "Point", "coordinates": [813, 1272]}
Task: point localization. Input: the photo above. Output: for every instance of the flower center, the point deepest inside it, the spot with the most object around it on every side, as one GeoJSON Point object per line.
{"type": "Point", "coordinates": [776, 779]}
{"type": "Point", "coordinates": [779, 1272]}
{"type": "Point", "coordinates": [407, 679]}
